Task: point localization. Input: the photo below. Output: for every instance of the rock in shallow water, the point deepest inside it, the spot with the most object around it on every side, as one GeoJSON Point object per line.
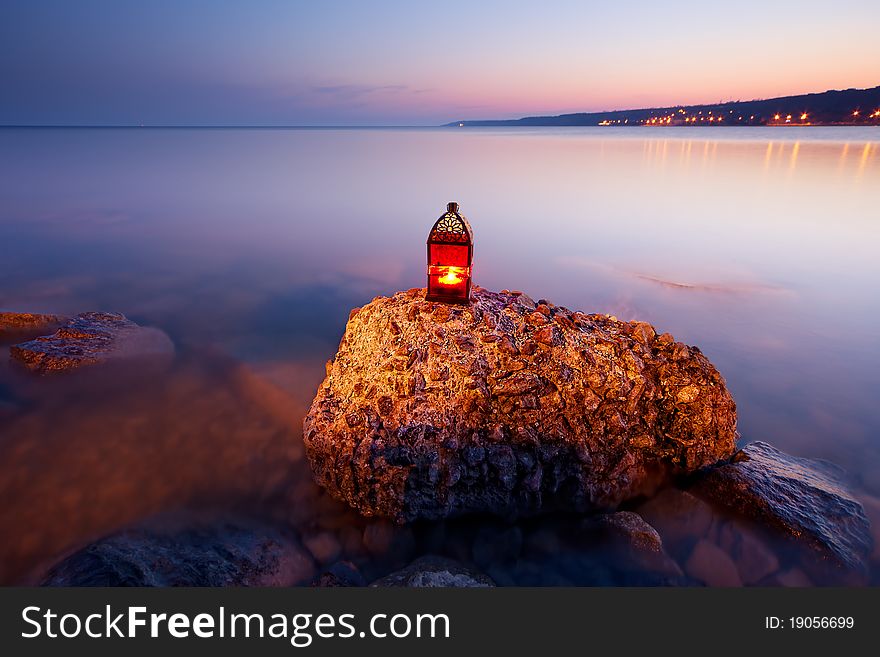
{"type": "Point", "coordinates": [224, 555]}
{"type": "Point", "coordinates": [802, 499]}
{"type": "Point", "coordinates": [18, 323]}
{"type": "Point", "coordinates": [91, 338]}
{"type": "Point", "coordinates": [432, 571]}
{"type": "Point", "coordinates": [508, 407]}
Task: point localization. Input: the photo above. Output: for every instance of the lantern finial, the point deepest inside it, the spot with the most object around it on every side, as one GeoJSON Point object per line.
{"type": "Point", "coordinates": [452, 207]}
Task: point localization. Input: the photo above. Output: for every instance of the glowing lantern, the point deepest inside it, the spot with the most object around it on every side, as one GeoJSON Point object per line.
{"type": "Point", "coordinates": [450, 255]}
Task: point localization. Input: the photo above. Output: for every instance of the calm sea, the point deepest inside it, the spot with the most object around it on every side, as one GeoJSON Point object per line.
{"type": "Point", "coordinates": [249, 247]}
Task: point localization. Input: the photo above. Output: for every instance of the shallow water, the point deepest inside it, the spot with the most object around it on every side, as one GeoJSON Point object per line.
{"type": "Point", "coordinates": [249, 247]}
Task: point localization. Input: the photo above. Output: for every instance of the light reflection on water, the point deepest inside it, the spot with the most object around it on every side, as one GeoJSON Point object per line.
{"type": "Point", "coordinates": [249, 247]}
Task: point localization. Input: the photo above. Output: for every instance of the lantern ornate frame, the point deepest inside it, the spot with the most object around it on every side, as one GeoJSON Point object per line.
{"type": "Point", "coordinates": [451, 233]}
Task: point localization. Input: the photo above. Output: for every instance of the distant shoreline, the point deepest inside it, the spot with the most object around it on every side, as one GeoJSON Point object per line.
{"type": "Point", "coordinates": [421, 127]}
{"type": "Point", "coordinates": [857, 107]}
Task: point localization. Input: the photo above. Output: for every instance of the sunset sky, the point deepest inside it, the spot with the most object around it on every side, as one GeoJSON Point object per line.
{"type": "Point", "coordinates": [270, 62]}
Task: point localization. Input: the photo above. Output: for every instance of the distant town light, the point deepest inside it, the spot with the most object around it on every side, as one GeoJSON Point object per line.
{"type": "Point", "coordinates": [804, 116]}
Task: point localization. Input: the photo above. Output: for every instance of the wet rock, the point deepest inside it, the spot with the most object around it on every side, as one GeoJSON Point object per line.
{"type": "Point", "coordinates": [871, 505]}
{"type": "Point", "coordinates": [222, 555]}
{"type": "Point", "coordinates": [21, 323]}
{"type": "Point", "coordinates": [340, 574]}
{"type": "Point", "coordinates": [631, 529]}
{"type": "Point", "coordinates": [382, 538]}
{"type": "Point", "coordinates": [324, 546]}
{"type": "Point", "coordinates": [800, 499]}
{"type": "Point", "coordinates": [632, 548]}
{"type": "Point", "coordinates": [434, 571]}
{"type": "Point", "coordinates": [562, 411]}
{"type": "Point", "coordinates": [753, 557]}
{"type": "Point", "coordinates": [679, 517]}
{"type": "Point", "coordinates": [793, 577]}
{"type": "Point", "coordinates": [91, 338]}
{"type": "Point", "coordinates": [712, 565]}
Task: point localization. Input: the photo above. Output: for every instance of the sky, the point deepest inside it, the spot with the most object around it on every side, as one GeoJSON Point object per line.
{"type": "Point", "coordinates": [338, 62]}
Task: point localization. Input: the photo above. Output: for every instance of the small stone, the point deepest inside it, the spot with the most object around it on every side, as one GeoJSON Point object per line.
{"type": "Point", "coordinates": [433, 571]}
{"type": "Point", "coordinates": [633, 529]}
{"type": "Point", "coordinates": [643, 332]}
{"type": "Point", "coordinates": [793, 578]}
{"type": "Point", "coordinates": [442, 314]}
{"type": "Point", "coordinates": [545, 335]}
{"type": "Point", "coordinates": [711, 565]}
{"type": "Point", "coordinates": [378, 537]}
{"type": "Point", "coordinates": [324, 546]}
{"type": "Point", "coordinates": [688, 394]}
{"type": "Point", "coordinates": [537, 319]}
{"type": "Point", "coordinates": [754, 559]}
{"type": "Point", "coordinates": [679, 517]}
{"type": "Point", "coordinates": [340, 574]}
{"type": "Point", "coordinates": [382, 538]}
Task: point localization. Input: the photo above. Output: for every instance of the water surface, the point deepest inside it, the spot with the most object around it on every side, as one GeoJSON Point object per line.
{"type": "Point", "coordinates": [249, 247]}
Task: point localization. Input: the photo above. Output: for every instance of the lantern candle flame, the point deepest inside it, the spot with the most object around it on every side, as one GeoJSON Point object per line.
{"type": "Point", "coordinates": [450, 275]}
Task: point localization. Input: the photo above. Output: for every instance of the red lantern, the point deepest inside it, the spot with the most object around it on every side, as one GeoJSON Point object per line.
{"type": "Point", "coordinates": [450, 254]}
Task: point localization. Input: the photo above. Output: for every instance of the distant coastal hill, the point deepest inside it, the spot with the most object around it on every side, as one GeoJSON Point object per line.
{"type": "Point", "coordinates": [836, 107]}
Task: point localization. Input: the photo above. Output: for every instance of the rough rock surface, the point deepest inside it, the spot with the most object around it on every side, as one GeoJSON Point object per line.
{"type": "Point", "coordinates": [91, 338]}
{"type": "Point", "coordinates": [802, 499]}
{"type": "Point", "coordinates": [13, 323]}
{"type": "Point", "coordinates": [224, 555]}
{"type": "Point", "coordinates": [340, 574]}
{"type": "Point", "coordinates": [509, 407]}
{"type": "Point", "coordinates": [434, 571]}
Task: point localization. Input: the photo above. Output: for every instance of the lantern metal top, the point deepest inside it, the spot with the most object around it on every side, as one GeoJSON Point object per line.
{"type": "Point", "coordinates": [451, 228]}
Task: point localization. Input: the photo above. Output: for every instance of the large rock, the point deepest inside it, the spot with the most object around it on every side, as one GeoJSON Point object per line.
{"type": "Point", "coordinates": [505, 406]}
{"type": "Point", "coordinates": [221, 555]}
{"type": "Point", "coordinates": [800, 499]}
{"type": "Point", "coordinates": [91, 338]}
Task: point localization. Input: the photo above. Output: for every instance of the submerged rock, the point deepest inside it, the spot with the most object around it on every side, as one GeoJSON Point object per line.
{"type": "Point", "coordinates": [433, 571]}
{"type": "Point", "coordinates": [16, 323]}
{"type": "Point", "coordinates": [632, 548]}
{"type": "Point", "coordinates": [509, 407]}
{"type": "Point", "coordinates": [711, 565]}
{"type": "Point", "coordinates": [340, 574]}
{"type": "Point", "coordinates": [679, 517]}
{"type": "Point", "coordinates": [224, 555]}
{"type": "Point", "coordinates": [801, 499]}
{"type": "Point", "coordinates": [91, 338]}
